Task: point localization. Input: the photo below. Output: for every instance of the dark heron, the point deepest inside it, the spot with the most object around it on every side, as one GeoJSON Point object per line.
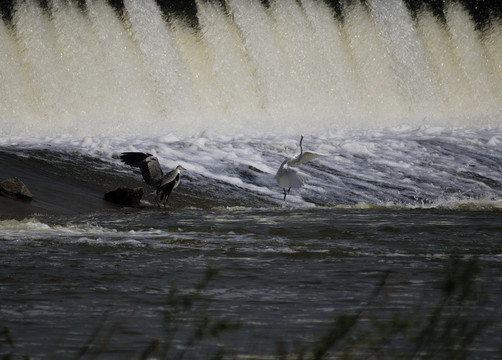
{"type": "Point", "coordinates": [153, 174]}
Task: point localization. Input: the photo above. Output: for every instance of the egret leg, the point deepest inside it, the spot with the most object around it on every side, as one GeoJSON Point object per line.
{"type": "Point", "coordinates": [286, 192]}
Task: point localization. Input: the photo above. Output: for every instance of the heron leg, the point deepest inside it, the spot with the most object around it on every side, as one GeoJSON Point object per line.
{"type": "Point", "coordinates": [166, 192]}
{"type": "Point", "coordinates": [156, 200]}
{"type": "Point", "coordinates": [165, 201]}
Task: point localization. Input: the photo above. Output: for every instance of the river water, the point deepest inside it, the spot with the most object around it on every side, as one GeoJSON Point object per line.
{"type": "Point", "coordinates": [284, 274]}
{"type": "Point", "coordinates": [392, 247]}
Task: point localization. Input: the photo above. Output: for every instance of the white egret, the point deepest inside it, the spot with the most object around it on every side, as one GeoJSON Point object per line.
{"type": "Point", "coordinates": [153, 174]}
{"type": "Point", "coordinates": [289, 176]}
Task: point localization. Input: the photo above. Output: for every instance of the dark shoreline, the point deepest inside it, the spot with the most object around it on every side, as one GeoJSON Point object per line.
{"type": "Point", "coordinates": [54, 193]}
{"type": "Point", "coordinates": [66, 183]}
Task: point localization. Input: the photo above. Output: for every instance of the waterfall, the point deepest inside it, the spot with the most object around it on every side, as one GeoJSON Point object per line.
{"type": "Point", "coordinates": [288, 67]}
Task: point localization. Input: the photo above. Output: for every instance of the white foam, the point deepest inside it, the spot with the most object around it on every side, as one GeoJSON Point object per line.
{"type": "Point", "coordinates": [405, 167]}
{"type": "Point", "coordinates": [35, 230]}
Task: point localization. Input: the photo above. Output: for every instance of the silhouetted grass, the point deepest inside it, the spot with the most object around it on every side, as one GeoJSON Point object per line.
{"type": "Point", "coordinates": [445, 330]}
{"type": "Point", "coordinates": [194, 305]}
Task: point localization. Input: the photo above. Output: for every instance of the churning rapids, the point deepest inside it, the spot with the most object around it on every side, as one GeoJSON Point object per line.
{"type": "Point", "coordinates": [406, 103]}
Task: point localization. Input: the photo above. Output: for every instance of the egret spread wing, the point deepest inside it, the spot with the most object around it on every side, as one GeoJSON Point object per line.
{"type": "Point", "coordinates": [296, 178]}
{"type": "Point", "coordinates": [304, 157]}
{"type": "Point", "coordinates": [289, 177]}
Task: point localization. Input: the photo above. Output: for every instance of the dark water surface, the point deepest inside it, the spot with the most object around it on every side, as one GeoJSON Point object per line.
{"type": "Point", "coordinates": [284, 274]}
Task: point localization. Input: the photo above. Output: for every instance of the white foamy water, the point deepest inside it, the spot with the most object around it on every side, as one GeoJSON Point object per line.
{"type": "Point", "coordinates": [397, 168]}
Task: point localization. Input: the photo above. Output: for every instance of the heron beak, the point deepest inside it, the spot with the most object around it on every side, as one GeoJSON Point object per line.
{"type": "Point", "coordinates": [182, 168]}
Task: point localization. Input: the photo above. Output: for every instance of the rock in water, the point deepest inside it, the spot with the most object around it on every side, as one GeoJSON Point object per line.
{"type": "Point", "coordinates": [125, 196]}
{"type": "Point", "coordinates": [15, 189]}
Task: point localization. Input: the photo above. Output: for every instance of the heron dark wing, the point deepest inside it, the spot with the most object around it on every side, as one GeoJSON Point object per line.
{"type": "Point", "coordinates": [151, 171]}
{"type": "Point", "coordinates": [133, 158]}
{"type": "Point", "coordinates": [147, 163]}
{"type": "Point", "coordinates": [172, 176]}
{"type": "Point", "coordinates": [167, 188]}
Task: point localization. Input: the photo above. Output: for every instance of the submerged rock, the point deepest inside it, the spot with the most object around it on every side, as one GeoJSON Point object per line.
{"type": "Point", "coordinates": [125, 196]}
{"type": "Point", "coordinates": [15, 189]}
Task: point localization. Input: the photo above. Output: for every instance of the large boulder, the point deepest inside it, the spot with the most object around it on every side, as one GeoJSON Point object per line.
{"type": "Point", "coordinates": [15, 189]}
{"type": "Point", "coordinates": [125, 196]}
